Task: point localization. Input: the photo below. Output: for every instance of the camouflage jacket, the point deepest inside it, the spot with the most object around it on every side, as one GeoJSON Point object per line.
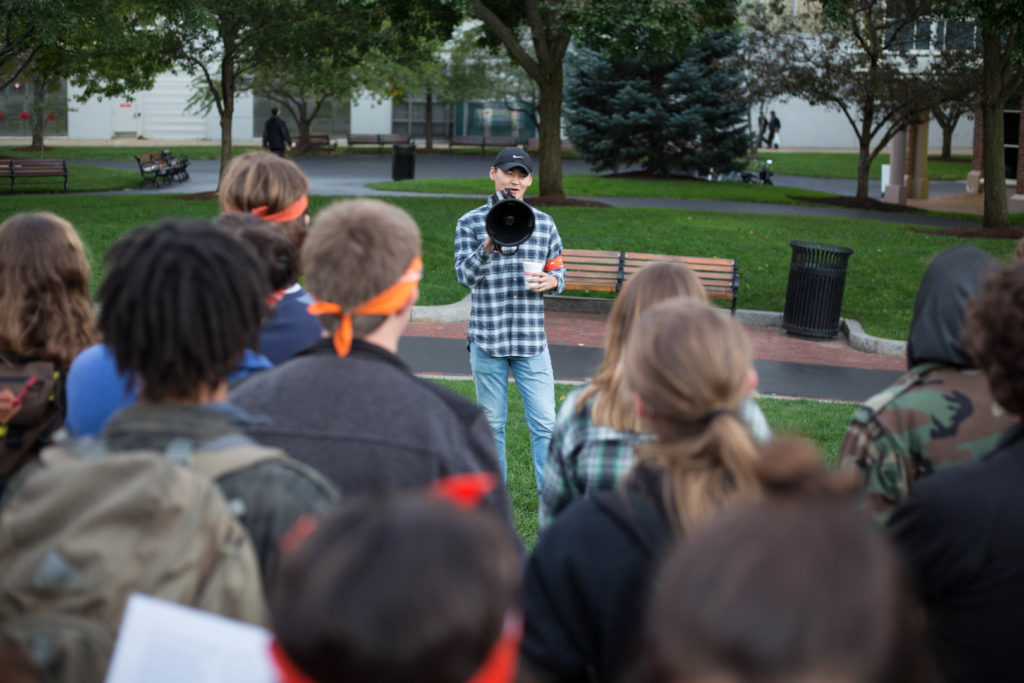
{"type": "Point", "coordinates": [934, 416]}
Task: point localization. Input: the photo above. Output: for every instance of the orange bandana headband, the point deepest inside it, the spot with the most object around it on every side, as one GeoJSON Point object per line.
{"type": "Point", "coordinates": [288, 213]}
{"type": "Point", "coordinates": [387, 302]}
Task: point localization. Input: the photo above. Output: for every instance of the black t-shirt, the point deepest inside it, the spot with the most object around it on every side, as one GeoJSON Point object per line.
{"type": "Point", "coordinates": [586, 583]}
{"type": "Point", "coordinates": [962, 531]}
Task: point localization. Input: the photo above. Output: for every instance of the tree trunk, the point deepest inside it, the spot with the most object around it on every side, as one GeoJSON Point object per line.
{"type": "Point", "coordinates": [550, 135]}
{"type": "Point", "coordinates": [947, 141]}
{"type": "Point", "coordinates": [430, 121]}
{"type": "Point", "coordinates": [227, 114]}
{"type": "Point", "coordinates": [863, 169]}
{"type": "Point", "coordinates": [38, 120]}
{"type": "Point", "coordinates": [993, 161]}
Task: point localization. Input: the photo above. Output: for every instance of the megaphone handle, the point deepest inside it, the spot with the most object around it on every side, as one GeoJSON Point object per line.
{"type": "Point", "coordinates": [511, 251]}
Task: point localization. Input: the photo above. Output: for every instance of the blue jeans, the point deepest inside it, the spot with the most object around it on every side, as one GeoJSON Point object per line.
{"type": "Point", "coordinates": [536, 384]}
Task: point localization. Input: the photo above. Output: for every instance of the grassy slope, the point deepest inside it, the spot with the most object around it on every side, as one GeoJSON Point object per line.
{"type": "Point", "coordinates": [883, 277]}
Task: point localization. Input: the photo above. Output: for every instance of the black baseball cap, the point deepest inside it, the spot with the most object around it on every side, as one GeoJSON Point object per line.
{"type": "Point", "coordinates": [513, 157]}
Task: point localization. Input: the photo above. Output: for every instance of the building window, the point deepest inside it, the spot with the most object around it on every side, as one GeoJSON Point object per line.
{"type": "Point", "coordinates": [409, 117]}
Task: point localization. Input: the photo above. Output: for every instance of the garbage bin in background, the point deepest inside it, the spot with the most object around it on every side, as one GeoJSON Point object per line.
{"type": "Point", "coordinates": [814, 293]}
{"type": "Point", "coordinates": [403, 162]}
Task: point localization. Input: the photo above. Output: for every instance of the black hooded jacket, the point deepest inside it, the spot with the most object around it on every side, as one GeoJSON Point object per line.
{"type": "Point", "coordinates": [952, 278]}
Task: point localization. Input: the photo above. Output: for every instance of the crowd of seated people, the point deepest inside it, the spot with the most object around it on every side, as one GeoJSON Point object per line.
{"type": "Point", "coordinates": [216, 435]}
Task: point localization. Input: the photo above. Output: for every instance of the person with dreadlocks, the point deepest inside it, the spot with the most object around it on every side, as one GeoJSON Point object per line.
{"type": "Point", "coordinates": [276, 191]}
{"type": "Point", "coordinates": [180, 303]}
{"type": "Point", "coordinates": [347, 405]}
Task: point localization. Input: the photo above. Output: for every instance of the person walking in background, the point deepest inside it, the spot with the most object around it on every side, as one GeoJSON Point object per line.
{"type": "Point", "coordinates": [275, 133]}
{"type": "Point", "coordinates": [774, 126]}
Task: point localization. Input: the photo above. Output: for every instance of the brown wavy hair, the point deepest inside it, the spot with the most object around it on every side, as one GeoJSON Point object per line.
{"type": "Point", "coordinates": [994, 335]}
{"type": "Point", "coordinates": [613, 405]}
{"type": "Point", "coordinates": [45, 309]}
{"type": "Point", "coordinates": [690, 366]}
{"type": "Point", "coordinates": [264, 179]}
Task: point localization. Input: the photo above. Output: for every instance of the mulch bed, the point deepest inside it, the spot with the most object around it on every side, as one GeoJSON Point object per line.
{"type": "Point", "coordinates": [196, 196]}
{"type": "Point", "coordinates": [991, 233]}
{"type": "Point", "coordinates": [854, 203]}
{"type": "Point", "coordinates": [33, 149]}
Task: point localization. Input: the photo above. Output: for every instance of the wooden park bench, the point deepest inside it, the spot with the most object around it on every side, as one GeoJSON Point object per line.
{"type": "Point", "coordinates": [34, 168]}
{"type": "Point", "coordinates": [481, 141]}
{"type": "Point", "coordinates": [378, 139]}
{"type": "Point", "coordinates": [607, 271]}
{"type": "Point", "coordinates": [161, 167]}
{"type": "Point", "coordinates": [316, 142]}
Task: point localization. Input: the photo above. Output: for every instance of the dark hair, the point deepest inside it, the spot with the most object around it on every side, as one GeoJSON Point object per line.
{"type": "Point", "coordinates": [45, 308]}
{"type": "Point", "coordinates": [271, 245]}
{"type": "Point", "coordinates": [275, 110]}
{"type": "Point", "coordinates": [180, 303]}
{"type": "Point", "coordinates": [396, 589]}
{"type": "Point", "coordinates": [994, 335]}
{"type": "Point", "coordinates": [796, 589]}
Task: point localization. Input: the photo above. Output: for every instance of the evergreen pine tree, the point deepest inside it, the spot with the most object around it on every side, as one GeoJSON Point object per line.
{"type": "Point", "coordinates": [687, 115]}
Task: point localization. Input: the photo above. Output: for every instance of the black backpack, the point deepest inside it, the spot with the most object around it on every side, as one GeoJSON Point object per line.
{"type": "Point", "coordinates": [31, 409]}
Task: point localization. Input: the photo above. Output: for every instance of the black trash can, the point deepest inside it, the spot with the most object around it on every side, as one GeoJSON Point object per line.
{"type": "Point", "coordinates": [403, 162]}
{"type": "Point", "coordinates": [814, 294]}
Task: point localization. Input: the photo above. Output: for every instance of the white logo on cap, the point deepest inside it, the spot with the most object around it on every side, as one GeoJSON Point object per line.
{"type": "Point", "coordinates": [514, 156]}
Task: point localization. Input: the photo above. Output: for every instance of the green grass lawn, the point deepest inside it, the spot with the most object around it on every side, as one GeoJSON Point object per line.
{"type": "Point", "coordinates": [822, 423]}
{"type": "Point", "coordinates": [581, 185]}
{"type": "Point", "coordinates": [884, 272]}
{"type": "Point", "coordinates": [115, 152]}
{"type": "Point", "coordinates": [844, 165]}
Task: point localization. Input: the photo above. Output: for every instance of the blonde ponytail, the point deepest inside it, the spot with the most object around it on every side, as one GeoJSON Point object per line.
{"type": "Point", "coordinates": [690, 366]}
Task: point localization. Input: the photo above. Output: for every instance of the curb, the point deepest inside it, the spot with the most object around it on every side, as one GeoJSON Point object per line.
{"type": "Point", "coordinates": [856, 337]}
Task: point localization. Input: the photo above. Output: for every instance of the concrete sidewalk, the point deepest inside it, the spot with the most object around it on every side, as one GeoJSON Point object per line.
{"type": "Point", "coordinates": [349, 174]}
{"type": "Point", "coordinates": [787, 365]}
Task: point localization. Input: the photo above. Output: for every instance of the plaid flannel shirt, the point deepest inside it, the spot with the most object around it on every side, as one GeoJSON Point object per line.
{"type": "Point", "coordinates": [587, 457]}
{"type": "Point", "coordinates": [507, 319]}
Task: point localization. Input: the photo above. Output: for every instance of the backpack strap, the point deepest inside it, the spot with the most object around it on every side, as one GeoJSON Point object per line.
{"type": "Point", "coordinates": [234, 452]}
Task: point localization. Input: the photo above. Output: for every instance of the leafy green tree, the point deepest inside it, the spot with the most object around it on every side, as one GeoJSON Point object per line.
{"type": "Point", "coordinates": [537, 33]}
{"type": "Point", "coordinates": [1001, 26]}
{"type": "Point", "coordinates": [105, 46]}
{"type": "Point", "coordinates": [675, 117]}
{"type": "Point", "coordinates": [230, 45]}
{"type": "Point", "coordinates": [856, 57]}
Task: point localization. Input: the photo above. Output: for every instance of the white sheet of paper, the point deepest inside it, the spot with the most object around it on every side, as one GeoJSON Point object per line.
{"type": "Point", "coordinates": [164, 642]}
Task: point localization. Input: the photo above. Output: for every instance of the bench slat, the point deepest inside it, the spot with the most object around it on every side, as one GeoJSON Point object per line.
{"type": "Point", "coordinates": [596, 270]}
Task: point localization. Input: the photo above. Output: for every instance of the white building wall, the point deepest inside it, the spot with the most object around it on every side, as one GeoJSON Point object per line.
{"type": "Point", "coordinates": [91, 120]}
{"type": "Point", "coordinates": [159, 113]}
{"type": "Point", "coordinates": [370, 116]}
{"type": "Point", "coordinates": [804, 125]}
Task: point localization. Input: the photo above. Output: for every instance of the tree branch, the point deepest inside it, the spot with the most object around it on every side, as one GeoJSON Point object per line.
{"type": "Point", "coordinates": [507, 38]}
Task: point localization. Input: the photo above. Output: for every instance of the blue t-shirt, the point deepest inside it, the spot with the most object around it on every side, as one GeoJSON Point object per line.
{"type": "Point", "coordinates": [95, 389]}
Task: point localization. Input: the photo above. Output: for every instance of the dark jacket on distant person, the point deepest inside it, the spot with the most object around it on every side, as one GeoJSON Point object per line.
{"type": "Point", "coordinates": [275, 134]}
{"type": "Point", "coordinates": [367, 423]}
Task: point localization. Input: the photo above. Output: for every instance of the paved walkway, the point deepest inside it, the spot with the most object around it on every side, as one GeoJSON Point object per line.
{"type": "Point", "coordinates": [788, 366]}
{"type": "Point", "coordinates": [349, 174]}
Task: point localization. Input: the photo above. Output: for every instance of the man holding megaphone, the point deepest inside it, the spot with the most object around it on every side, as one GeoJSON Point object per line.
{"type": "Point", "coordinates": [508, 254]}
